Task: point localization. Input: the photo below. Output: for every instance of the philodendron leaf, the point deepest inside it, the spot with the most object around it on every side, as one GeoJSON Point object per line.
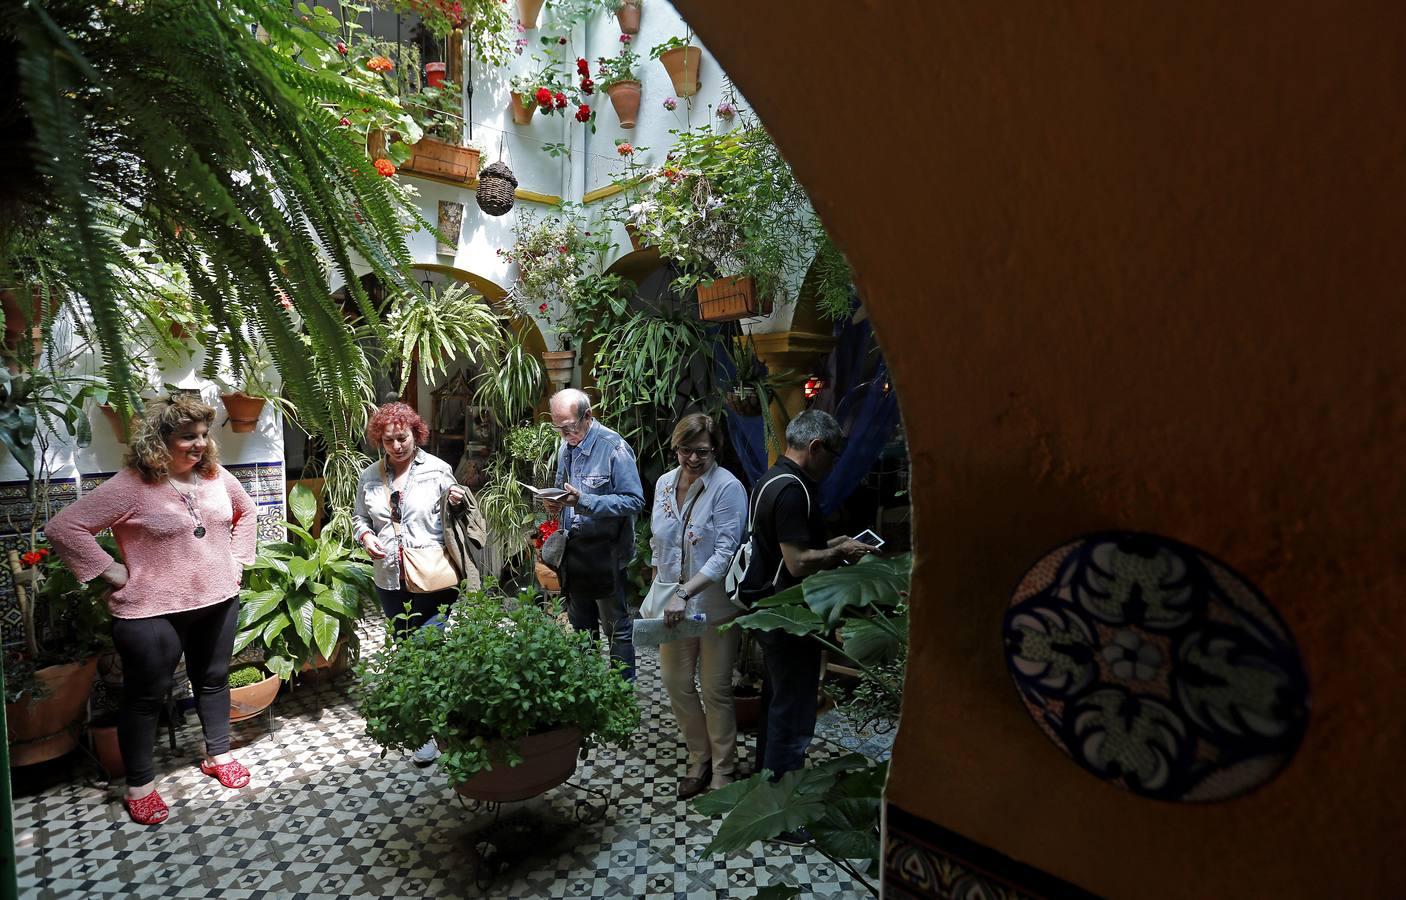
{"type": "Point", "coordinates": [872, 581]}
{"type": "Point", "coordinates": [725, 799]}
{"type": "Point", "coordinates": [771, 808]}
{"type": "Point", "coordinates": [302, 504]}
{"type": "Point", "coordinates": [791, 619]}
{"type": "Point", "coordinates": [875, 641]}
{"type": "Point", "coordinates": [849, 829]}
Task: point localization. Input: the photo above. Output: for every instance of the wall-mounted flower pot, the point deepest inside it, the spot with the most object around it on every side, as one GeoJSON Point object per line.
{"type": "Point", "coordinates": [744, 401]}
{"type": "Point", "coordinates": [522, 114]}
{"type": "Point", "coordinates": [559, 365]}
{"type": "Point", "coordinates": [429, 156]}
{"type": "Point", "coordinates": [629, 16]}
{"type": "Point", "coordinates": [243, 411]}
{"type": "Point", "coordinates": [731, 298]}
{"type": "Point", "coordinates": [527, 12]}
{"type": "Point", "coordinates": [434, 74]}
{"type": "Point", "coordinates": [634, 233]}
{"type": "Point", "coordinates": [682, 64]}
{"type": "Point", "coordinates": [121, 430]}
{"type": "Point", "coordinates": [548, 759]}
{"type": "Point", "coordinates": [625, 97]}
{"type": "Point", "coordinates": [46, 728]}
{"type": "Point", "coordinates": [252, 699]}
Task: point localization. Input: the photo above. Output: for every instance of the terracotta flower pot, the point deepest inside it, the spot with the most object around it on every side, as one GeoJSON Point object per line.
{"type": "Point", "coordinates": [243, 411]}
{"type": "Point", "coordinates": [434, 74]}
{"type": "Point", "coordinates": [682, 64]}
{"type": "Point", "coordinates": [629, 16]}
{"type": "Point", "coordinates": [548, 759]}
{"type": "Point", "coordinates": [634, 234]}
{"type": "Point", "coordinates": [106, 749]}
{"type": "Point", "coordinates": [429, 156]}
{"type": "Point", "coordinates": [559, 365]}
{"type": "Point", "coordinates": [522, 115]}
{"type": "Point", "coordinates": [625, 97]}
{"type": "Point", "coordinates": [47, 728]}
{"type": "Point", "coordinates": [20, 320]}
{"type": "Point", "coordinates": [252, 699]}
{"type": "Point", "coordinates": [338, 662]}
{"type": "Point", "coordinates": [548, 579]}
{"type": "Point", "coordinates": [527, 11]}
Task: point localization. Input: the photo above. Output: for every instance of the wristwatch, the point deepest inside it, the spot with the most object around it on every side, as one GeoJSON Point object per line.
{"type": "Point", "coordinates": [681, 593]}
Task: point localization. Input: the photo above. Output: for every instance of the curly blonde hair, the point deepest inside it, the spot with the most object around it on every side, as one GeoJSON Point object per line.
{"type": "Point", "coordinates": [148, 453]}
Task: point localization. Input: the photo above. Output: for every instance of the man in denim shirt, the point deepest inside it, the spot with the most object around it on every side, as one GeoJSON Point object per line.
{"type": "Point", "coordinates": [598, 470]}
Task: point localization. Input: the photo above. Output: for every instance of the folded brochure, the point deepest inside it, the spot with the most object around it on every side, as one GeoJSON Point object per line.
{"type": "Point", "coordinates": [551, 493]}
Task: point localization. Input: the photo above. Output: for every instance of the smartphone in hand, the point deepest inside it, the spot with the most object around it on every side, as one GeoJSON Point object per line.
{"type": "Point", "coordinates": [868, 537]}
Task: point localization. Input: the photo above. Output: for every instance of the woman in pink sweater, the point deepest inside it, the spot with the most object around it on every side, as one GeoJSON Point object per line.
{"type": "Point", "coordinates": [186, 528]}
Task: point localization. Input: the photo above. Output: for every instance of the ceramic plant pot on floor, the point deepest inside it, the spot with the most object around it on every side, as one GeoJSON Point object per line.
{"type": "Point", "coordinates": [625, 97]}
{"type": "Point", "coordinates": [46, 728]}
{"type": "Point", "coordinates": [252, 699]}
{"type": "Point", "coordinates": [548, 759]}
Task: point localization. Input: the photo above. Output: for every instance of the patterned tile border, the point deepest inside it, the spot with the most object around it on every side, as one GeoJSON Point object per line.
{"type": "Point", "coordinates": [924, 861]}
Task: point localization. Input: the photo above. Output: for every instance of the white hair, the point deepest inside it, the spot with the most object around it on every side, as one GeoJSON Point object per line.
{"type": "Point", "coordinates": [579, 402]}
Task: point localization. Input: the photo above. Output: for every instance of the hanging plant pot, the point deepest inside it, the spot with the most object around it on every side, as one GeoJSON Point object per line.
{"type": "Point", "coordinates": [634, 233]}
{"type": "Point", "coordinates": [629, 16]}
{"type": "Point", "coordinates": [625, 97]}
{"type": "Point", "coordinates": [744, 401]}
{"type": "Point", "coordinates": [731, 298]}
{"type": "Point", "coordinates": [251, 699]}
{"type": "Point", "coordinates": [682, 64]}
{"type": "Point", "coordinates": [527, 12]}
{"type": "Point", "coordinates": [522, 112]}
{"type": "Point", "coordinates": [21, 320]}
{"type": "Point", "coordinates": [429, 156]}
{"type": "Point", "coordinates": [434, 74]}
{"type": "Point", "coordinates": [559, 365]}
{"type": "Point", "coordinates": [548, 759]}
{"type": "Point", "coordinates": [46, 728]}
{"type": "Point", "coordinates": [120, 429]}
{"type": "Point", "coordinates": [243, 411]}
{"type": "Point", "coordinates": [497, 189]}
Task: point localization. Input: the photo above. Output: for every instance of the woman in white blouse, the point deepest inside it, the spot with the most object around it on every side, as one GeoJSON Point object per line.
{"type": "Point", "coordinates": [699, 515]}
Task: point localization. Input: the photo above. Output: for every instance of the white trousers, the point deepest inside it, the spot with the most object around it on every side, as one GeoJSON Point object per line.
{"type": "Point", "coordinates": [710, 727]}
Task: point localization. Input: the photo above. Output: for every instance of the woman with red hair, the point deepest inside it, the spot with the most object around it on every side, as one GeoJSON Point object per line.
{"type": "Point", "coordinates": [398, 507]}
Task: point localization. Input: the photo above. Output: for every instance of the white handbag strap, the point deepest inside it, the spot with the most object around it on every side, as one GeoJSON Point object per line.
{"type": "Point", "coordinates": [752, 519]}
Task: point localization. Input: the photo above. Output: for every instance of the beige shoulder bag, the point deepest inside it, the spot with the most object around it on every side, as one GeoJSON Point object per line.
{"type": "Point", "coordinates": [425, 569]}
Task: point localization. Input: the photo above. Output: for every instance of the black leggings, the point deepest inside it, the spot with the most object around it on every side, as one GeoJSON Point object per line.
{"type": "Point", "coordinates": [423, 607]}
{"type": "Point", "coordinates": [150, 649]}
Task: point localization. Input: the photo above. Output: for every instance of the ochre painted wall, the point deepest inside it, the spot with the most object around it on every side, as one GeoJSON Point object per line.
{"type": "Point", "coordinates": [1135, 265]}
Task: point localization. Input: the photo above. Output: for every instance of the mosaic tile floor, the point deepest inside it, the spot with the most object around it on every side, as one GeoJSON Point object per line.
{"type": "Point", "coordinates": [327, 817]}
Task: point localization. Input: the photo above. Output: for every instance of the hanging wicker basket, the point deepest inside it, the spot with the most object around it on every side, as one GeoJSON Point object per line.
{"type": "Point", "coordinates": [496, 189]}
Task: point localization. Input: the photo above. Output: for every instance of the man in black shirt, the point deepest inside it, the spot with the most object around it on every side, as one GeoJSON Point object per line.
{"type": "Point", "coordinates": [788, 543]}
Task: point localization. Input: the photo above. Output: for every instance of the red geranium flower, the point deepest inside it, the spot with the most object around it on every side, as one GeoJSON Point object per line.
{"type": "Point", "coordinates": [542, 532]}
{"type": "Point", "coordinates": [543, 98]}
{"type": "Point", "coordinates": [542, 308]}
{"type": "Point", "coordinates": [625, 148]}
{"type": "Point", "coordinates": [345, 122]}
{"type": "Point", "coordinates": [583, 114]}
{"type": "Point", "coordinates": [588, 86]}
{"type": "Point", "coordinates": [583, 67]}
{"type": "Point", "coordinates": [385, 167]}
{"type": "Point", "coordinates": [561, 100]}
{"type": "Point", "coordinates": [31, 558]}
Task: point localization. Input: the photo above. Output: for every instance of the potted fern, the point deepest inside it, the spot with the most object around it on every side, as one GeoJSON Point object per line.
{"type": "Point", "coordinates": [508, 694]}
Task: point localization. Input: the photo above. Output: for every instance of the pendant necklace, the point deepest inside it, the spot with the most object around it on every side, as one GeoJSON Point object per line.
{"type": "Point", "coordinates": [191, 507]}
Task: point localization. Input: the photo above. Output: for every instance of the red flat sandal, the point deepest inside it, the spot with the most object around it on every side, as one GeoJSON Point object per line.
{"type": "Point", "coordinates": [148, 810]}
{"type": "Point", "coordinates": [231, 774]}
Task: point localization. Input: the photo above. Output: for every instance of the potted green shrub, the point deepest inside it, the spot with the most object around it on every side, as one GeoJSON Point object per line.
{"type": "Point", "coordinates": [302, 597]}
{"type": "Point", "coordinates": [49, 677]}
{"type": "Point", "coordinates": [509, 695]}
{"type": "Point", "coordinates": [252, 689]}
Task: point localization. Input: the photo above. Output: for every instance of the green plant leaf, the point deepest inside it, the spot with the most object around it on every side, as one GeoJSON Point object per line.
{"type": "Point", "coordinates": [281, 666]}
{"type": "Point", "coordinates": [771, 808]}
{"type": "Point", "coordinates": [325, 630]}
{"type": "Point", "coordinates": [877, 640]}
{"type": "Point", "coordinates": [792, 619]}
{"type": "Point", "coordinates": [303, 504]}
{"type": "Point", "coordinates": [725, 799]}
{"type": "Point", "coordinates": [872, 581]}
{"type": "Point", "coordinates": [254, 605]}
{"type": "Point", "coordinates": [849, 829]}
{"type": "Point", "coordinates": [300, 611]}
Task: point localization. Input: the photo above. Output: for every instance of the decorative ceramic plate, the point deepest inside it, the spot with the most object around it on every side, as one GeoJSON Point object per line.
{"type": "Point", "coordinates": [1156, 667]}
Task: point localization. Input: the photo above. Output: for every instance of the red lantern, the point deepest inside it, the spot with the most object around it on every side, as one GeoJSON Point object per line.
{"type": "Point", "coordinates": [814, 385]}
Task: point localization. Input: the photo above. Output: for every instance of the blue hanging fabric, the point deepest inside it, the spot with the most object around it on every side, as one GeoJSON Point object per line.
{"type": "Point", "coordinates": [865, 410]}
